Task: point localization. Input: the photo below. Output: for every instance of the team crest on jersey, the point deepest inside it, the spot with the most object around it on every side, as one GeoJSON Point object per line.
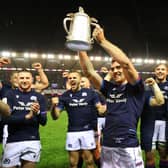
{"type": "Point", "coordinates": [84, 94]}
{"type": "Point", "coordinates": [166, 88]}
{"type": "Point", "coordinates": [33, 98]}
{"type": "Point", "coordinates": [17, 96]}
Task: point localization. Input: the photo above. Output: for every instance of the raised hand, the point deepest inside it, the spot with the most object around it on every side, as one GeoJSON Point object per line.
{"type": "Point", "coordinates": [98, 34]}
{"type": "Point", "coordinates": [150, 81]}
{"type": "Point", "coordinates": [37, 65]}
{"type": "Point", "coordinates": [4, 61]}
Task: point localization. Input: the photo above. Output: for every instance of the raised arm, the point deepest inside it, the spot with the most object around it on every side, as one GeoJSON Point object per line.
{"type": "Point", "coordinates": [158, 98]}
{"type": "Point", "coordinates": [88, 70]}
{"type": "Point", "coordinates": [117, 54]}
{"type": "Point", "coordinates": [43, 77]}
{"type": "Point", "coordinates": [4, 61]}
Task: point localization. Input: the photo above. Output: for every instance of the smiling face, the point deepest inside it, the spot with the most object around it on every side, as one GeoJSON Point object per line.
{"type": "Point", "coordinates": [117, 73]}
{"type": "Point", "coordinates": [84, 83]}
{"type": "Point", "coordinates": [74, 80]}
{"type": "Point", "coordinates": [161, 73]}
{"type": "Point", "coordinates": [25, 81]}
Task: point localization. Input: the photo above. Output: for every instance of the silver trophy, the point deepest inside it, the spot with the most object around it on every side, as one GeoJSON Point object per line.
{"type": "Point", "coordinates": [79, 33]}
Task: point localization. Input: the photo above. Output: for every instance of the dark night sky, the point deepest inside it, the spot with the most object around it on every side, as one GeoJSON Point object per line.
{"type": "Point", "coordinates": [137, 27]}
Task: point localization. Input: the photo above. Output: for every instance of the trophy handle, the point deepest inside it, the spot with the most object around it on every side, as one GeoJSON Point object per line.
{"type": "Point", "coordinates": [96, 25]}
{"type": "Point", "coordinates": [65, 24]}
{"type": "Point", "coordinates": [94, 22]}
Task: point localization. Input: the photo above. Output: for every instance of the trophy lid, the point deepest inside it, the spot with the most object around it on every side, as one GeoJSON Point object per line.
{"type": "Point", "coordinates": [81, 10]}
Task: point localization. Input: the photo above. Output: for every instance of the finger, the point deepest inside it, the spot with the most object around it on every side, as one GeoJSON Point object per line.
{"type": "Point", "coordinates": [98, 26]}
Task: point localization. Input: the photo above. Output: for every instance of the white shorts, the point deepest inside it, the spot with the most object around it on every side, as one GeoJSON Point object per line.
{"type": "Point", "coordinates": [17, 151]}
{"type": "Point", "coordinates": [5, 135]}
{"type": "Point", "coordinates": [159, 133]}
{"type": "Point", "coordinates": [101, 123]}
{"type": "Point", "coordinates": [80, 140]}
{"type": "Point", "coordinates": [121, 157]}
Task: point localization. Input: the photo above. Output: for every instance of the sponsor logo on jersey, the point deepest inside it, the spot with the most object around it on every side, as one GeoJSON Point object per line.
{"type": "Point", "coordinates": [23, 106]}
{"type": "Point", "coordinates": [116, 98]}
{"type": "Point", "coordinates": [76, 102]}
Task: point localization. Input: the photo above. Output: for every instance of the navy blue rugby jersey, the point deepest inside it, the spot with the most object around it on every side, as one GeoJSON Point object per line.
{"type": "Point", "coordinates": [161, 112]}
{"type": "Point", "coordinates": [5, 88]}
{"type": "Point", "coordinates": [19, 128]}
{"type": "Point", "coordinates": [148, 115]}
{"type": "Point", "coordinates": [124, 104]}
{"type": "Point", "coordinates": [147, 122]}
{"type": "Point", "coordinates": [80, 107]}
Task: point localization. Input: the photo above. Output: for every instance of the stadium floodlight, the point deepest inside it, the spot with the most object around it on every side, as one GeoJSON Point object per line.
{"type": "Point", "coordinates": [91, 58]}
{"type": "Point", "coordinates": [5, 53]}
{"type": "Point", "coordinates": [163, 61]}
{"type": "Point", "coordinates": [60, 56]}
{"type": "Point", "coordinates": [98, 58]}
{"type": "Point", "coordinates": [151, 61]}
{"type": "Point", "coordinates": [26, 55]}
{"type": "Point", "coordinates": [44, 56]}
{"type": "Point", "coordinates": [13, 54]}
{"type": "Point", "coordinates": [67, 57]}
{"type": "Point", "coordinates": [133, 60]}
{"type": "Point", "coordinates": [76, 57]}
{"type": "Point", "coordinates": [138, 60]}
{"type": "Point", "coordinates": [146, 61]}
{"type": "Point", "coordinates": [50, 56]}
{"type": "Point", "coordinates": [106, 58]}
{"type": "Point", "coordinates": [33, 55]}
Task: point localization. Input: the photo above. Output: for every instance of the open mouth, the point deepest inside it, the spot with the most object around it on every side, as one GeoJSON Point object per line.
{"type": "Point", "coordinates": [160, 75]}
{"type": "Point", "coordinates": [73, 84]}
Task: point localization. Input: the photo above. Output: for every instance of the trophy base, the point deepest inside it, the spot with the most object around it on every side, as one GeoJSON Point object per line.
{"type": "Point", "coordinates": [76, 45]}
